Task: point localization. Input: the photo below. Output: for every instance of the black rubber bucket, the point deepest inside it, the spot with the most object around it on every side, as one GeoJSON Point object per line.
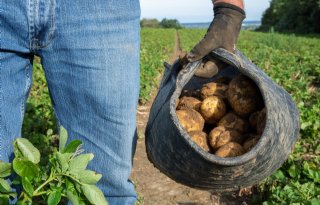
{"type": "Point", "coordinates": [172, 151]}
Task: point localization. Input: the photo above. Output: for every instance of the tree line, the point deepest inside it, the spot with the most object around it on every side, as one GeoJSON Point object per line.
{"type": "Point", "coordinates": [164, 23]}
{"type": "Point", "coordinates": [298, 16]}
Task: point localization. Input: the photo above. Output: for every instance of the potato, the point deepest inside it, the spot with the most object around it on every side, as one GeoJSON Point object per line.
{"type": "Point", "coordinates": [200, 138]}
{"type": "Point", "coordinates": [224, 80]}
{"type": "Point", "coordinates": [214, 89]}
{"type": "Point", "coordinates": [232, 121]}
{"type": "Point", "coordinates": [189, 102]}
{"type": "Point", "coordinates": [232, 149]}
{"type": "Point", "coordinates": [250, 143]}
{"type": "Point", "coordinates": [191, 93]}
{"type": "Point", "coordinates": [244, 96]}
{"type": "Point", "coordinates": [190, 120]}
{"type": "Point", "coordinates": [212, 109]}
{"type": "Point", "coordinates": [220, 136]}
{"type": "Point", "coordinates": [253, 119]}
{"type": "Point", "coordinates": [258, 120]}
{"type": "Point", "coordinates": [261, 121]}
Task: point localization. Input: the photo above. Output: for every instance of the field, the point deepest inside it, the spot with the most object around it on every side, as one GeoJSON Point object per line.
{"type": "Point", "coordinates": [291, 61]}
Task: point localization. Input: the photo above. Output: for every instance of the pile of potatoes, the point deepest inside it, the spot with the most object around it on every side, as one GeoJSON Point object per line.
{"type": "Point", "coordinates": [225, 117]}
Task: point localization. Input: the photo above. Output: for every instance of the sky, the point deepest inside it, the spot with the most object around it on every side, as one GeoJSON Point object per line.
{"type": "Point", "coordinates": [195, 10]}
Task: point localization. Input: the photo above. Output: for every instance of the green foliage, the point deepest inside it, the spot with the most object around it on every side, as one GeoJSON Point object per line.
{"type": "Point", "coordinates": [165, 23]}
{"type": "Point", "coordinates": [64, 176]}
{"type": "Point", "coordinates": [149, 23]}
{"type": "Point", "coordinates": [170, 23]}
{"type": "Point", "coordinates": [39, 125]}
{"type": "Point", "coordinates": [292, 62]}
{"type": "Point", "coordinates": [300, 16]}
{"type": "Point", "coordinates": [156, 47]}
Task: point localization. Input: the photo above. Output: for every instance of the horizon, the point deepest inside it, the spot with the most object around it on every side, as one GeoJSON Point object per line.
{"type": "Point", "coordinates": [199, 11]}
{"type": "Point", "coordinates": [199, 22]}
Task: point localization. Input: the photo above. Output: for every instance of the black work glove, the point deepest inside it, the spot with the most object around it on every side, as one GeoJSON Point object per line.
{"type": "Point", "coordinates": [223, 32]}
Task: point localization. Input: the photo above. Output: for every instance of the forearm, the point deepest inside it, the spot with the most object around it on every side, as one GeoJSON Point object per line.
{"type": "Point", "coordinates": [238, 3]}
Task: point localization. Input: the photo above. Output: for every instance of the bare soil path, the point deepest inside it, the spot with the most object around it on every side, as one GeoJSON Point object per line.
{"type": "Point", "coordinates": [155, 188]}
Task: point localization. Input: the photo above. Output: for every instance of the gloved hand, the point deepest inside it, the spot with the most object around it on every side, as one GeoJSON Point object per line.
{"type": "Point", "coordinates": [222, 33]}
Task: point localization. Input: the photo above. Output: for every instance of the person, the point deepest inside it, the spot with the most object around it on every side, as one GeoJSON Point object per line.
{"type": "Point", "coordinates": [90, 55]}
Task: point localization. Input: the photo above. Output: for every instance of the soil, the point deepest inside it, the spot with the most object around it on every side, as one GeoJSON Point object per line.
{"type": "Point", "coordinates": [155, 188]}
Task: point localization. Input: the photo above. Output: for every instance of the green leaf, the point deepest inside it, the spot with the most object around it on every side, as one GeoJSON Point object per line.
{"type": "Point", "coordinates": [63, 137]}
{"type": "Point", "coordinates": [89, 177]}
{"type": "Point", "coordinates": [29, 151]}
{"type": "Point", "coordinates": [25, 168]}
{"type": "Point", "coordinates": [16, 180]}
{"type": "Point", "coordinates": [315, 201]}
{"type": "Point", "coordinates": [279, 175]}
{"type": "Point", "coordinates": [54, 197]}
{"type": "Point", "coordinates": [72, 146]}
{"type": "Point", "coordinates": [63, 160]}
{"type": "Point", "coordinates": [4, 200]}
{"type": "Point", "coordinates": [4, 186]}
{"type": "Point", "coordinates": [73, 198]}
{"type": "Point", "coordinates": [27, 186]}
{"type": "Point", "coordinates": [293, 172]}
{"type": "Point", "coordinates": [305, 125]}
{"type": "Point", "coordinates": [80, 163]}
{"type": "Point", "coordinates": [5, 169]}
{"type": "Point", "coordinates": [93, 194]}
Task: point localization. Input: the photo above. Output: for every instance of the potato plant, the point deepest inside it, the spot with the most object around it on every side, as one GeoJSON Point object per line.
{"type": "Point", "coordinates": [64, 176]}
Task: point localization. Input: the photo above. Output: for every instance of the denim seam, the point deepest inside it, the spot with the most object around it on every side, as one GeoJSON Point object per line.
{"type": "Point", "coordinates": [31, 23]}
{"type": "Point", "coordinates": [27, 88]}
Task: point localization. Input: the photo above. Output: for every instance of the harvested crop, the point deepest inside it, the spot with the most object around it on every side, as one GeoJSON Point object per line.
{"type": "Point", "coordinates": [189, 102]}
{"type": "Point", "coordinates": [200, 138]}
{"type": "Point", "coordinates": [244, 96]}
{"type": "Point", "coordinates": [220, 136]}
{"type": "Point", "coordinates": [232, 121]}
{"type": "Point", "coordinates": [191, 93]}
{"type": "Point", "coordinates": [232, 149]}
{"type": "Point", "coordinates": [213, 109]}
{"type": "Point", "coordinates": [258, 120]}
{"type": "Point", "coordinates": [214, 89]}
{"type": "Point", "coordinates": [250, 143]}
{"type": "Point", "coordinates": [190, 120]}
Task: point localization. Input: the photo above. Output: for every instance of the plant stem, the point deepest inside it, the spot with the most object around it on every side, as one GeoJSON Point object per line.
{"type": "Point", "coordinates": [51, 178]}
{"type": "Point", "coordinates": [40, 193]}
{"type": "Point", "coordinates": [74, 179]}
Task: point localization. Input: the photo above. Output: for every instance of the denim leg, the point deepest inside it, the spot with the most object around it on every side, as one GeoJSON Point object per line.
{"type": "Point", "coordinates": [92, 70]}
{"type": "Point", "coordinates": [15, 72]}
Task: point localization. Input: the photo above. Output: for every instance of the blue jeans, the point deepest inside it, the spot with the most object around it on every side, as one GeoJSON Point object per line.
{"type": "Point", "coordinates": [89, 50]}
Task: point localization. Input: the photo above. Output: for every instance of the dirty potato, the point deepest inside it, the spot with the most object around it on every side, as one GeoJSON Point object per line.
{"type": "Point", "coordinates": [261, 121]}
{"type": "Point", "coordinates": [232, 149]}
{"type": "Point", "coordinates": [220, 136]}
{"type": "Point", "coordinates": [232, 121]}
{"type": "Point", "coordinates": [191, 93]}
{"type": "Point", "coordinates": [258, 120]}
{"type": "Point", "coordinates": [200, 138]}
{"type": "Point", "coordinates": [190, 120]}
{"type": "Point", "coordinates": [189, 102]}
{"type": "Point", "coordinates": [250, 143]}
{"type": "Point", "coordinates": [212, 109]}
{"type": "Point", "coordinates": [214, 89]}
{"type": "Point", "coordinates": [244, 96]}
{"type": "Point", "coordinates": [224, 80]}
